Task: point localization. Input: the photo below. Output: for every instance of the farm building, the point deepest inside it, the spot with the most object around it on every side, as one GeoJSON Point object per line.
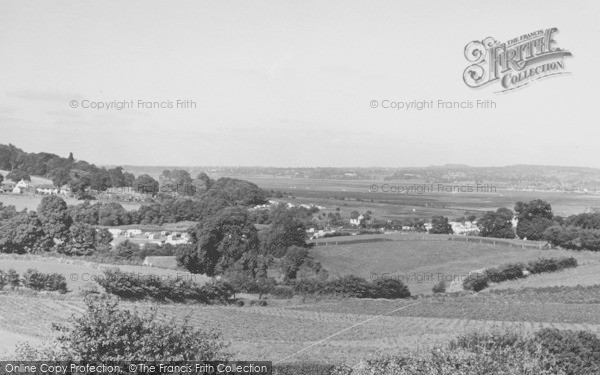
{"type": "Point", "coordinates": [22, 184]}
{"type": "Point", "coordinates": [133, 232]}
{"type": "Point", "coordinates": [18, 190]}
{"type": "Point", "coordinates": [47, 189]}
{"type": "Point", "coordinates": [179, 241]}
{"type": "Point", "coordinates": [153, 236]}
{"type": "Point", "coordinates": [65, 190]}
{"type": "Point", "coordinates": [169, 262]}
{"type": "Point", "coordinates": [115, 232]}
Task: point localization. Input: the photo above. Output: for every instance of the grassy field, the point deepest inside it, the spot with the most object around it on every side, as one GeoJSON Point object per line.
{"type": "Point", "coordinates": [421, 264]}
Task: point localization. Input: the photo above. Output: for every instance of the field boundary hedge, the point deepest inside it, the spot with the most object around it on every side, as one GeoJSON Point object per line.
{"type": "Point", "coordinates": [497, 241]}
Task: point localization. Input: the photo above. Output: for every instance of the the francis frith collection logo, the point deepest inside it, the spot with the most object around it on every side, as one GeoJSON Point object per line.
{"type": "Point", "coordinates": [514, 63]}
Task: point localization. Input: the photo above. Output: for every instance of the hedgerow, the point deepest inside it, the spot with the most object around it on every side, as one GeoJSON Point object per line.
{"type": "Point", "coordinates": [351, 286]}
{"type": "Point", "coordinates": [37, 280]}
{"type": "Point", "coordinates": [132, 286]}
{"type": "Point", "coordinates": [477, 281]}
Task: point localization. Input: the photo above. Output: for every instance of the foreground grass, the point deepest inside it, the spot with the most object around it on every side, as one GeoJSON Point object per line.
{"type": "Point", "coordinates": [278, 331]}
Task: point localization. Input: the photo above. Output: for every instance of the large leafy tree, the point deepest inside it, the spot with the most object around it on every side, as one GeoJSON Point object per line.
{"type": "Point", "coordinates": [440, 225]}
{"type": "Point", "coordinates": [18, 175]}
{"type": "Point", "coordinates": [288, 228]}
{"type": "Point", "coordinates": [55, 219]}
{"type": "Point", "coordinates": [145, 184]}
{"type": "Point", "coordinates": [21, 234]}
{"type": "Point", "coordinates": [220, 242]}
{"type": "Point", "coordinates": [82, 240]}
{"type": "Point", "coordinates": [496, 224]}
{"type": "Point", "coordinates": [534, 218]}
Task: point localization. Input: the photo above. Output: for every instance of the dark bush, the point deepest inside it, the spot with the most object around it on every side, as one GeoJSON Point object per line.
{"type": "Point", "coordinates": [475, 282]}
{"type": "Point", "coordinates": [440, 287]}
{"type": "Point", "coordinates": [132, 286]}
{"type": "Point", "coordinates": [37, 280]}
{"type": "Point", "coordinates": [551, 264]}
{"type": "Point", "coordinates": [282, 292]}
{"type": "Point", "coordinates": [10, 277]}
{"type": "Point", "coordinates": [511, 271]}
{"type": "Point", "coordinates": [351, 286]}
{"type": "Point", "coordinates": [390, 289]}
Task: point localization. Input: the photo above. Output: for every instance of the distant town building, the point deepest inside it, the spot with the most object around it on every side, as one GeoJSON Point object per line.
{"type": "Point", "coordinates": [115, 232]}
{"type": "Point", "coordinates": [47, 189]}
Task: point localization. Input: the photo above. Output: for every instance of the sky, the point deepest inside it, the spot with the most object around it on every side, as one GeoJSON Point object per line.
{"type": "Point", "coordinates": [282, 83]}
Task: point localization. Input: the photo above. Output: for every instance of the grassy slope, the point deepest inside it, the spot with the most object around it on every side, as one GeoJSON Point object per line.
{"type": "Point", "coordinates": [420, 264]}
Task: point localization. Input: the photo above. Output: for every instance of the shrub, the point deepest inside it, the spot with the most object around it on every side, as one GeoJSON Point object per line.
{"type": "Point", "coordinates": [107, 333]}
{"type": "Point", "coordinates": [219, 290]}
{"type": "Point", "coordinates": [475, 281]}
{"type": "Point", "coordinates": [573, 352]}
{"type": "Point", "coordinates": [511, 271]}
{"type": "Point", "coordinates": [551, 264]}
{"type": "Point", "coordinates": [131, 286]}
{"type": "Point", "coordinates": [37, 280]}
{"type": "Point", "coordinates": [135, 287]}
{"type": "Point", "coordinates": [549, 351]}
{"type": "Point", "coordinates": [10, 277]}
{"type": "Point", "coordinates": [282, 292]}
{"type": "Point", "coordinates": [351, 286]}
{"type": "Point", "coordinates": [390, 289]}
{"type": "Point", "coordinates": [440, 287]}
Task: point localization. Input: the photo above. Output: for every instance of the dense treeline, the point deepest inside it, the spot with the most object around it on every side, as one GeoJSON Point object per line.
{"type": "Point", "coordinates": [577, 232]}
{"type": "Point", "coordinates": [78, 174]}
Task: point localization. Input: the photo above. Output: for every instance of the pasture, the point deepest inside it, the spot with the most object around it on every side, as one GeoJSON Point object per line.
{"type": "Point", "coordinates": [421, 264]}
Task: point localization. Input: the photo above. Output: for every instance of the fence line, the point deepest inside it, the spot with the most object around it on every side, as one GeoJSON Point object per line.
{"type": "Point", "coordinates": [472, 239]}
